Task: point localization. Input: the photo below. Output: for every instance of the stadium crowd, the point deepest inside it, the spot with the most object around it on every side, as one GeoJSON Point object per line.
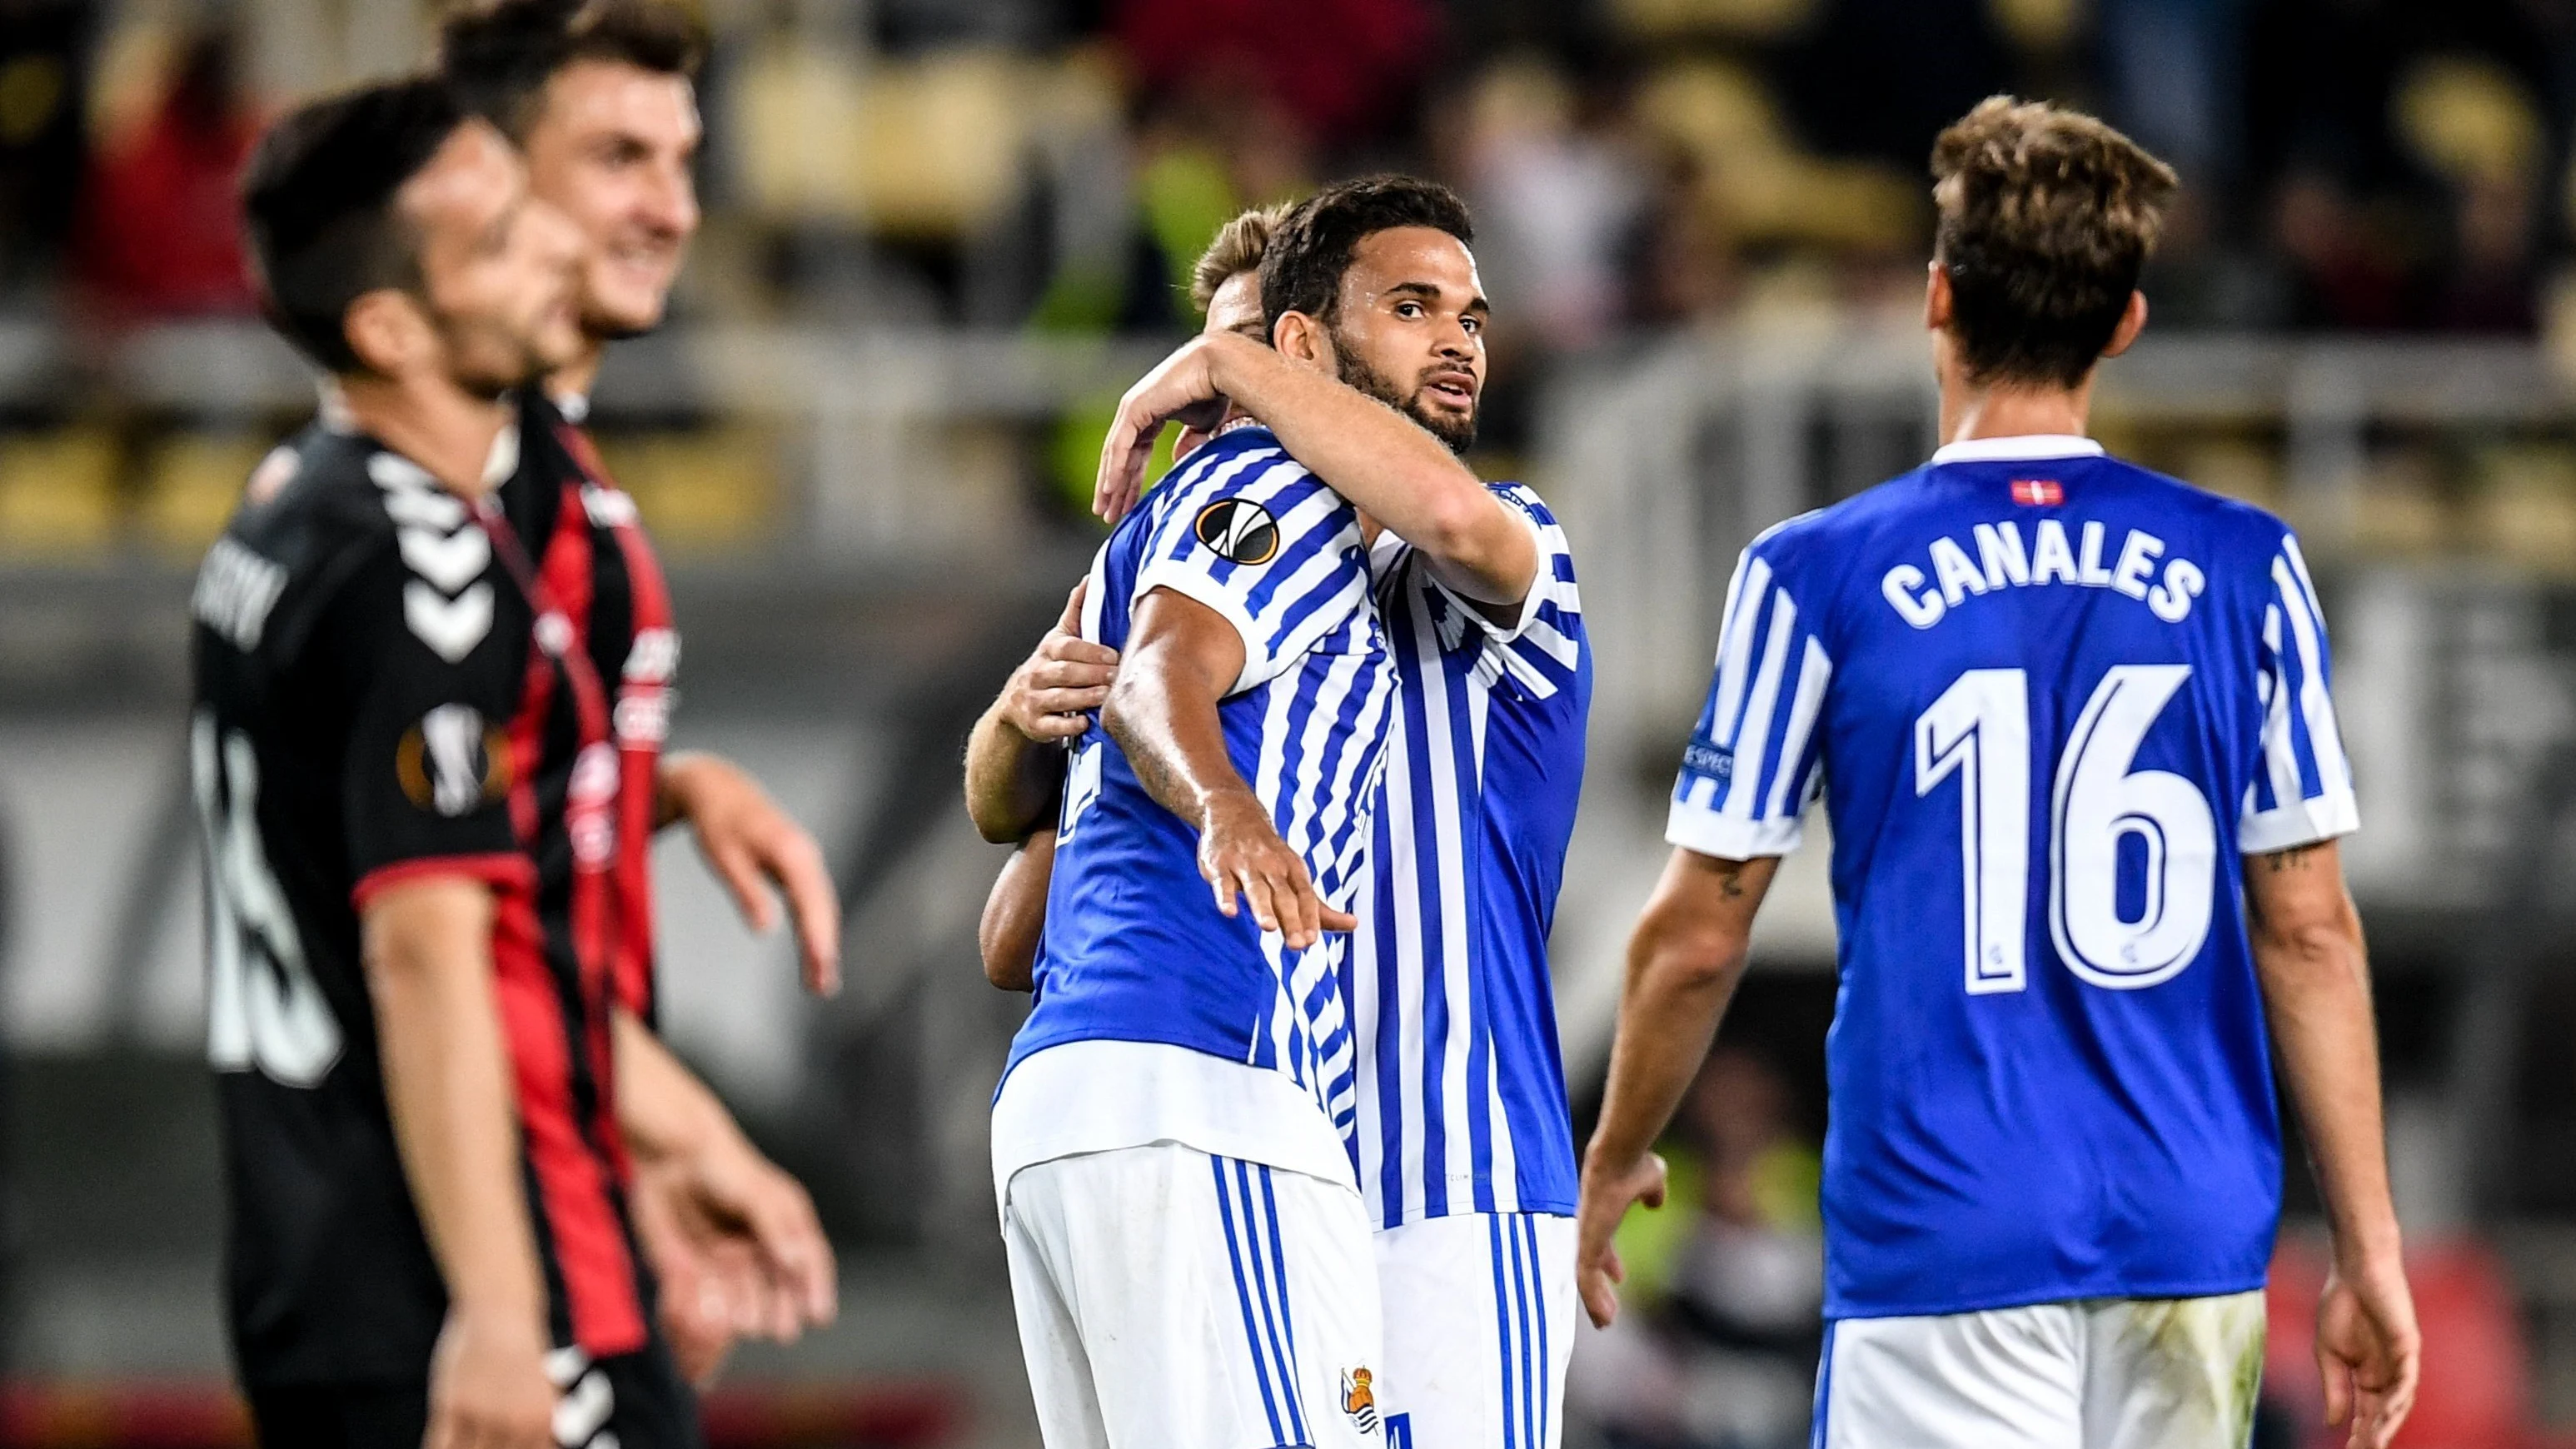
{"type": "Point", "coordinates": [1640, 163]}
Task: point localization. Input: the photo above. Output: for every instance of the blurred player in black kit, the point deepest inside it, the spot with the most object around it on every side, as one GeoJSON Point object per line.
{"type": "Point", "coordinates": [407, 770]}
{"type": "Point", "coordinates": [599, 97]}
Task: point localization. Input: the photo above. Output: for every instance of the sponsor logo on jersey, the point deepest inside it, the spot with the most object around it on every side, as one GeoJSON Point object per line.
{"type": "Point", "coordinates": [607, 507]}
{"type": "Point", "coordinates": [453, 761]}
{"type": "Point", "coordinates": [1359, 1400]}
{"type": "Point", "coordinates": [1705, 757]}
{"type": "Point", "coordinates": [1238, 531]}
{"type": "Point", "coordinates": [654, 656]}
{"type": "Point", "coordinates": [590, 802]}
{"type": "Point", "coordinates": [2038, 492]}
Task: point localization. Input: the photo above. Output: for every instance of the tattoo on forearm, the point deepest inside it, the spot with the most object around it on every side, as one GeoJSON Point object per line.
{"type": "Point", "coordinates": [2290, 859]}
{"type": "Point", "coordinates": [1730, 879]}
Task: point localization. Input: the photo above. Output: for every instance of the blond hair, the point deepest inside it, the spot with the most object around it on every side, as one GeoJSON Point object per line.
{"type": "Point", "coordinates": [1238, 248]}
{"type": "Point", "coordinates": [2047, 216]}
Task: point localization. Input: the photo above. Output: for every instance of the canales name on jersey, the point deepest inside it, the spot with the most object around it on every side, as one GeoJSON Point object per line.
{"type": "Point", "coordinates": [2049, 1067]}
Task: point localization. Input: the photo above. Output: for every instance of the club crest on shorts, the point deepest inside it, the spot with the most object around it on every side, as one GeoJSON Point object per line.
{"type": "Point", "coordinates": [1359, 1400]}
{"type": "Point", "coordinates": [1238, 530]}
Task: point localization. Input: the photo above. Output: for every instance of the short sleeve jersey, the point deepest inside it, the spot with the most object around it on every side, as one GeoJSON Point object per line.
{"type": "Point", "coordinates": [363, 687]}
{"type": "Point", "coordinates": [1462, 1083]}
{"type": "Point", "coordinates": [1135, 949]}
{"type": "Point", "coordinates": [2049, 698]}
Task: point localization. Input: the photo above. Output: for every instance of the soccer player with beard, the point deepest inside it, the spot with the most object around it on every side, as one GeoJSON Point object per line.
{"type": "Point", "coordinates": [416, 1078]}
{"type": "Point", "coordinates": [599, 96]}
{"type": "Point", "coordinates": [1462, 1137]}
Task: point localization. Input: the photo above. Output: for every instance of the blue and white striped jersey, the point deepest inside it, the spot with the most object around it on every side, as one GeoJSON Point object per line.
{"type": "Point", "coordinates": [1134, 949]}
{"type": "Point", "coordinates": [1462, 1087]}
{"type": "Point", "coordinates": [2049, 698]}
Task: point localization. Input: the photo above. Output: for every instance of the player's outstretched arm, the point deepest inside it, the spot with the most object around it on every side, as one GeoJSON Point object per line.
{"type": "Point", "coordinates": [733, 1239]}
{"type": "Point", "coordinates": [1387, 465]}
{"type": "Point", "coordinates": [428, 954]}
{"type": "Point", "coordinates": [1012, 778]}
{"type": "Point", "coordinates": [1684, 959]}
{"type": "Point", "coordinates": [1015, 914]}
{"type": "Point", "coordinates": [1183, 657]}
{"type": "Point", "coordinates": [752, 845]}
{"type": "Point", "coordinates": [2315, 973]}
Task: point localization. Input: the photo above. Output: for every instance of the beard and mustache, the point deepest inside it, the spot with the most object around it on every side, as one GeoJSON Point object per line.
{"type": "Point", "coordinates": [1459, 434]}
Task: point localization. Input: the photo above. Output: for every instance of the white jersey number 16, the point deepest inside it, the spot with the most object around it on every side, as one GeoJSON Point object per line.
{"type": "Point", "coordinates": [1979, 730]}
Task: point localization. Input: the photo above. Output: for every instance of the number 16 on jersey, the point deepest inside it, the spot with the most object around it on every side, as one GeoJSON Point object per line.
{"type": "Point", "coordinates": [1979, 732]}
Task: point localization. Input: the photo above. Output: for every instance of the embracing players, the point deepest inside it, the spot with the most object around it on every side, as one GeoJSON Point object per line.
{"type": "Point", "coordinates": [2072, 727]}
{"type": "Point", "coordinates": [1461, 1136]}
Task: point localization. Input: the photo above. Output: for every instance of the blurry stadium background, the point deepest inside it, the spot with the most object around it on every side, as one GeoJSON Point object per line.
{"type": "Point", "coordinates": [943, 235]}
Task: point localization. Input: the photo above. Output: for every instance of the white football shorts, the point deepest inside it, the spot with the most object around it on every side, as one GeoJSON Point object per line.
{"type": "Point", "coordinates": [2099, 1373]}
{"type": "Point", "coordinates": [1168, 1299]}
{"type": "Point", "coordinates": [1479, 1328]}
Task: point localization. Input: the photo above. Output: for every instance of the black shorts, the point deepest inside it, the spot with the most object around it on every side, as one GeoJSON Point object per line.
{"type": "Point", "coordinates": [633, 1401]}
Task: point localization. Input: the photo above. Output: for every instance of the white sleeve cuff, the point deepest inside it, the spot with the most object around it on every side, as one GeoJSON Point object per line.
{"type": "Point", "coordinates": [1729, 837]}
{"type": "Point", "coordinates": [1191, 584]}
{"type": "Point", "coordinates": [1542, 584]}
{"type": "Point", "coordinates": [2301, 822]}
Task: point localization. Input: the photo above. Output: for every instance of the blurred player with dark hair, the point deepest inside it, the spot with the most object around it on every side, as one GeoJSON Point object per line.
{"type": "Point", "coordinates": [599, 96]}
{"type": "Point", "coordinates": [393, 751]}
{"type": "Point", "coordinates": [2072, 727]}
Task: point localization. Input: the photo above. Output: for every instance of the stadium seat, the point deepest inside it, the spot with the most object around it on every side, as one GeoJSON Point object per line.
{"type": "Point", "coordinates": [2525, 508]}
{"type": "Point", "coordinates": [189, 489]}
{"type": "Point", "coordinates": [700, 493]}
{"type": "Point", "coordinates": [923, 149]}
{"type": "Point", "coordinates": [1755, 178]}
{"type": "Point", "coordinates": [2477, 1383]}
{"type": "Point", "coordinates": [58, 496]}
{"type": "Point", "coordinates": [1741, 19]}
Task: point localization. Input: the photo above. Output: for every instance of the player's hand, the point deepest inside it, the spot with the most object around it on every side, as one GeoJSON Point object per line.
{"type": "Point", "coordinates": [1608, 1192]}
{"type": "Point", "coordinates": [2370, 1352]}
{"type": "Point", "coordinates": [1240, 853]}
{"type": "Point", "coordinates": [737, 1248]}
{"type": "Point", "coordinates": [1048, 695]}
{"type": "Point", "coordinates": [752, 845]}
{"type": "Point", "coordinates": [1182, 387]}
{"type": "Point", "coordinates": [487, 1382]}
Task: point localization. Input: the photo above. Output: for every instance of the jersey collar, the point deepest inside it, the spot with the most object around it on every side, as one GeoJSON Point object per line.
{"type": "Point", "coordinates": [2016, 449]}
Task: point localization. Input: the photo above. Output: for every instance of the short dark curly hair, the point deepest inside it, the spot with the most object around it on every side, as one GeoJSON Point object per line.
{"type": "Point", "coordinates": [499, 54]}
{"type": "Point", "coordinates": [1302, 269]}
{"type": "Point", "coordinates": [2047, 216]}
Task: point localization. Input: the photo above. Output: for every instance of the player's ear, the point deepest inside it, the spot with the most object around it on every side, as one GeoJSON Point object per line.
{"type": "Point", "coordinates": [385, 329]}
{"type": "Point", "coordinates": [1300, 338]}
{"type": "Point", "coordinates": [1936, 296]}
{"type": "Point", "coordinates": [2133, 320]}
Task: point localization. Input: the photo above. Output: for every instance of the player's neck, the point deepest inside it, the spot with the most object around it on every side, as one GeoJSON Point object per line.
{"type": "Point", "coordinates": [574, 378]}
{"type": "Point", "coordinates": [2014, 412]}
{"type": "Point", "coordinates": [448, 431]}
